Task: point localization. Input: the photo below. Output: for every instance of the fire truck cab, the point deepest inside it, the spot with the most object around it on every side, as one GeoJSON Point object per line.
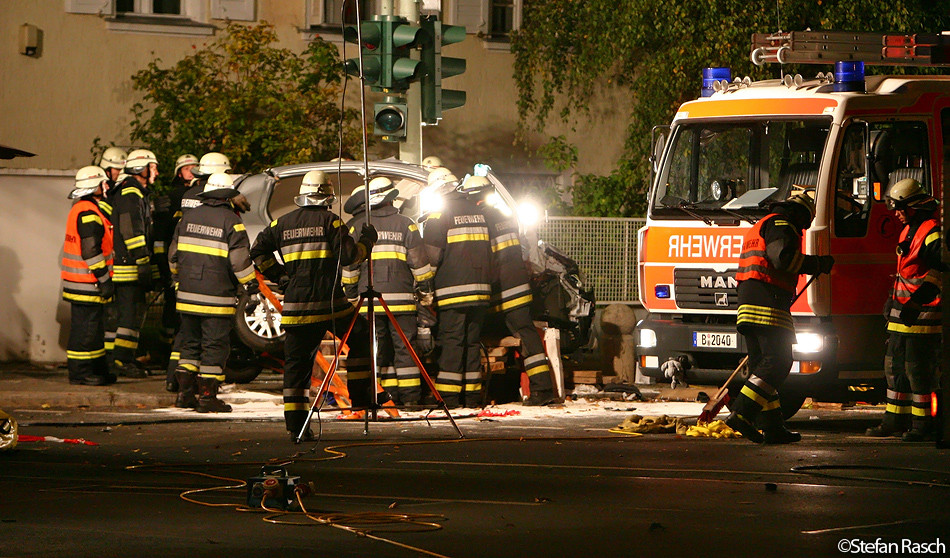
{"type": "Point", "coordinates": [745, 145]}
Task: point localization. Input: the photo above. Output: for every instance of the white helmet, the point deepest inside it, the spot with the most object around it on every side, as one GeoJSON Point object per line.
{"type": "Point", "coordinates": [442, 180]}
{"type": "Point", "coordinates": [184, 161]}
{"type": "Point", "coordinates": [211, 163]}
{"type": "Point", "coordinates": [909, 194]}
{"type": "Point", "coordinates": [113, 158]}
{"type": "Point", "coordinates": [474, 185]}
{"type": "Point", "coordinates": [139, 160]}
{"type": "Point", "coordinates": [381, 190]}
{"type": "Point", "coordinates": [315, 189]}
{"type": "Point", "coordinates": [431, 162]}
{"type": "Point", "coordinates": [88, 180]}
{"type": "Point", "coordinates": [220, 185]}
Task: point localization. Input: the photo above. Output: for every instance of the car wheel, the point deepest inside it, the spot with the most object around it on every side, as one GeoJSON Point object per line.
{"type": "Point", "coordinates": [257, 324]}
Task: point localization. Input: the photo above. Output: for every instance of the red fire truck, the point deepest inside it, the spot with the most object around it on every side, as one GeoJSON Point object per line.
{"type": "Point", "coordinates": [743, 145]}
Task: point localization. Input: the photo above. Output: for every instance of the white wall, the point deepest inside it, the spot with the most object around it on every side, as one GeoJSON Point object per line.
{"type": "Point", "coordinates": [33, 211]}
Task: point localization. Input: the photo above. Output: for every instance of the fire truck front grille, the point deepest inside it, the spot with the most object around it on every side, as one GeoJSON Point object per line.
{"type": "Point", "coordinates": [706, 289]}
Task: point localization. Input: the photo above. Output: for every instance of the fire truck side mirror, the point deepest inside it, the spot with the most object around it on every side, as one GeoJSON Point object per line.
{"type": "Point", "coordinates": [658, 141]}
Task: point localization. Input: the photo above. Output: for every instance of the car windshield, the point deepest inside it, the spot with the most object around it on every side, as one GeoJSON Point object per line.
{"type": "Point", "coordinates": [715, 169]}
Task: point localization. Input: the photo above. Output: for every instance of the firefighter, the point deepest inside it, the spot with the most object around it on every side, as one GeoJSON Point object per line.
{"type": "Point", "coordinates": [769, 265]}
{"type": "Point", "coordinates": [87, 279]}
{"type": "Point", "coordinates": [399, 263]}
{"type": "Point", "coordinates": [511, 293]}
{"type": "Point", "coordinates": [313, 242]}
{"type": "Point", "coordinates": [913, 314]}
{"type": "Point", "coordinates": [209, 164]}
{"type": "Point", "coordinates": [132, 228]}
{"type": "Point", "coordinates": [459, 249]}
{"type": "Point", "coordinates": [165, 223]}
{"type": "Point", "coordinates": [209, 256]}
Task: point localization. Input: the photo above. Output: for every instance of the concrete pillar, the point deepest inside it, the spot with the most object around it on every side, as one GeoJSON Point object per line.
{"type": "Point", "coordinates": [617, 342]}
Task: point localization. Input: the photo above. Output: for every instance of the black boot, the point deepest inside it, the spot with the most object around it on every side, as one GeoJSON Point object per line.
{"type": "Point", "coordinates": [294, 421]}
{"type": "Point", "coordinates": [128, 369]}
{"type": "Point", "coordinates": [208, 401]}
{"type": "Point", "coordinates": [921, 430]}
{"type": "Point", "coordinates": [773, 428]}
{"type": "Point", "coordinates": [743, 426]}
{"type": "Point", "coordinates": [892, 425]}
{"type": "Point", "coordinates": [187, 392]}
{"type": "Point", "coordinates": [543, 397]}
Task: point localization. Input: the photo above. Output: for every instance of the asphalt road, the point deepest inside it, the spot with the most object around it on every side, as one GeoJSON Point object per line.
{"type": "Point", "coordinates": [514, 487]}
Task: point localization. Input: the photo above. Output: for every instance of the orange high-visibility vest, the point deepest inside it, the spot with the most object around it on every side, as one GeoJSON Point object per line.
{"type": "Point", "coordinates": [753, 263]}
{"type": "Point", "coordinates": [74, 267]}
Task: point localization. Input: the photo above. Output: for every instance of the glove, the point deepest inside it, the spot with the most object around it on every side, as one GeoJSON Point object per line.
{"type": "Point", "coordinates": [825, 263]}
{"type": "Point", "coordinates": [910, 312]}
{"type": "Point", "coordinates": [424, 340]}
{"type": "Point", "coordinates": [145, 276]}
{"type": "Point", "coordinates": [240, 203]}
{"type": "Point", "coordinates": [106, 289]}
{"type": "Point", "coordinates": [282, 283]}
{"type": "Point", "coordinates": [426, 299]}
{"type": "Point", "coordinates": [252, 287]}
{"type": "Point", "coordinates": [368, 236]}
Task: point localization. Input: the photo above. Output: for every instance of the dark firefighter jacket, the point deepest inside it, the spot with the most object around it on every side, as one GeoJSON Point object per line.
{"type": "Point", "coordinates": [310, 240]}
{"type": "Point", "coordinates": [165, 220]}
{"type": "Point", "coordinates": [769, 265]}
{"type": "Point", "coordinates": [459, 249]}
{"type": "Point", "coordinates": [87, 253]}
{"type": "Point", "coordinates": [510, 286]}
{"type": "Point", "coordinates": [132, 229]}
{"type": "Point", "coordinates": [189, 197]}
{"type": "Point", "coordinates": [399, 260]}
{"type": "Point", "coordinates": [918, 278]}
{"type": "Point", "coordinates": [209, 255]}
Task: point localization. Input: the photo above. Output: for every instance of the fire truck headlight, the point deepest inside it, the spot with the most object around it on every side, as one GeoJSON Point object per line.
{"type": "Point", "coordinates": [529, 214]}
{"type": "Point", "coordinates": [647, 338]}
{"type": "Point", "coordinates": [430, 200]}
{"type": "Point", "coordinates": [808, 343]}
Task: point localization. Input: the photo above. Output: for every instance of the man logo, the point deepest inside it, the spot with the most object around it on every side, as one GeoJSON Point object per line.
{"type": "Point", "coordinates": [718, 282]}
{"type": "Point", "coordinates": [722, 299]}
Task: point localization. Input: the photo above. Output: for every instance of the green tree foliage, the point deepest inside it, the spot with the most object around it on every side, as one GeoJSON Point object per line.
{"type": "Point", "coordinates": [656, 51]}
{"type": "Point", "coordinates": [260, 105]}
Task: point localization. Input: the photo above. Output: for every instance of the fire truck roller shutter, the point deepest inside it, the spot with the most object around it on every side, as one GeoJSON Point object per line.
{"type": "Point", "coordinates": [804, 147]}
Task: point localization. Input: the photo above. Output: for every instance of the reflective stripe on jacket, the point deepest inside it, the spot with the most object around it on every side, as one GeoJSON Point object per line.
{"type": "Point", "coordinates": [209, 256]}
{"type": "Point", "coordinates": [399, 260]}
{"type": "Point", "coordinates": [132, 228]}
{"type": "Point", "coordinates": [310, 241]}
{"type": "Point", "coordinates": [915, 270]}
{"type": "Point", "coordinates": [459, 249]}
{"type": "Point", "coordinates": [87, 253]}
{"type": "Point", "coordinates": [510, 286]}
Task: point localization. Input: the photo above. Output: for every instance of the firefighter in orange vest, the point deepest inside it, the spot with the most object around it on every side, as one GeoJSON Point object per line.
{"type": "Point", "coordinates": [913, 316]}
{"type": "Point", "coordinates": [87, 280]}
{"type": "Point", "coordinates": [769, 266]}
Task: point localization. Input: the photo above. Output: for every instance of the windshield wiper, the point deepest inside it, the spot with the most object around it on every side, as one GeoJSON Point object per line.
{"type": "Point", "coordinates": [739, 216]}
{"type": "Point", "coordinates": [684, 206]}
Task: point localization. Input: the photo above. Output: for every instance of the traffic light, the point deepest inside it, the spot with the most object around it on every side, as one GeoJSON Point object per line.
{"type": "Point", "coordinates": [390, 117]}
{"type": "Point", "coordinates": [435, 99]}
{"type": "Point", "coordinates": [387, 46]}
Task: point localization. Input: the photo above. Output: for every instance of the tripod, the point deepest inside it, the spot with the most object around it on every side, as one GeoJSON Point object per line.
{"type": "Point", "coordinates": [369, 296]}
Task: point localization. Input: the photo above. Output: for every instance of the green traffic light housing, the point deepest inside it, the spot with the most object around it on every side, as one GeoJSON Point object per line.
{"type": "Point", "coordinates": [390, 118]}
{"type": "Point", "coordinates": [435, 99]}
{"type": "Point", "coordinates": [386, 48]}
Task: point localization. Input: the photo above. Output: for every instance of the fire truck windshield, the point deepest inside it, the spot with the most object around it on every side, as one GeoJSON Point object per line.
{"type": "Point", "coordinates": [717, 170]}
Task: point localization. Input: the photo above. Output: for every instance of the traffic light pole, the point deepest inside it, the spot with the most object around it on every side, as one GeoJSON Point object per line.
{"type": "Point", "coordinates": [410, 150]}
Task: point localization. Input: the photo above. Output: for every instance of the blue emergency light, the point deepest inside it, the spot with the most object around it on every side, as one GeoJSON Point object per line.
{"type": "Point", "coordinates": [661, 291]}
{"type": "Point", "coordinates": [849, 76]}
{"type": "Point", "coordinates": [712, 75]}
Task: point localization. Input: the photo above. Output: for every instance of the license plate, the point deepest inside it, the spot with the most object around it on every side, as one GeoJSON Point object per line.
{"type": "Point", "coordinates": [712, 340]}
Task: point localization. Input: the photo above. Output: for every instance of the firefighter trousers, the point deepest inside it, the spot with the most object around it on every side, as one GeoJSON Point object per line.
{"type": "Point", "coordinates": [910, 368]}
{"type": "Point", "coordinates": [85, 349]}
{"type": "Point", "coordinates": [770, 361]}
{"type": "Point", "coordinates": [460, 362]}
{"type": "Point", "coordinates": [129, 312]}
{"type": "Point", "coordinates": [398, 373]}
{"type": "Point", "coordinates": [205, 343]}
{"type": "Point", "coordinates": [536, 364]}
{"type": "Point", "coordinates": [300, 347]}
